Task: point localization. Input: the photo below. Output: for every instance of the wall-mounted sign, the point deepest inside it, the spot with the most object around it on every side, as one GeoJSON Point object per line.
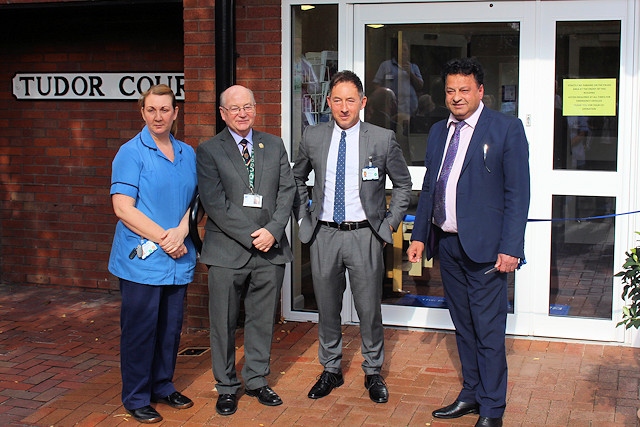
{"type": "Point", "coordinates": [92, 86]}
{"type": "Point", "coordinates": [589, 97]}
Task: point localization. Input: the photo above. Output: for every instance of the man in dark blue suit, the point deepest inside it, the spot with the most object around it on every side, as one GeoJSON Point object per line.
{"type": "Point", "coordinates": [473, 208]}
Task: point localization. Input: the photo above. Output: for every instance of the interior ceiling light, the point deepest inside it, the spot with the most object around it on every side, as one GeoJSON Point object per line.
{"type": "Point", "coordinates": [375, 25]}
{"type": "Point", "coordinates": [307, 7]}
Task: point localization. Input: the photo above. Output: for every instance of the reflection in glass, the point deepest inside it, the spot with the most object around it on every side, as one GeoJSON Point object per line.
{"type": "Point", "coordinates": [419, 284]}
{"type": "Point", "coordinates": [403, 63]}
{"type": "Point", "coordinates": [314, 60]}
{"type": "Point", "coordinates": [587, 53]}
{"type": "Point", "coordinates": [581, 282]}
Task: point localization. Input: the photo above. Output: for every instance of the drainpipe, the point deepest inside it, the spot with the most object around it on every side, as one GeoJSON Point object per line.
{"type": "Point", "coordinates": [225, 33]}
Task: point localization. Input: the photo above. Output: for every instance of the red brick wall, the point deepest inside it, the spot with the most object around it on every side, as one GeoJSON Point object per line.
{"type": "Point", "coordinates": [200, 121]}
{"type": "Point", "coordinates": [258, 44]}
{"type": "Point", "coordinates": [56, 221]}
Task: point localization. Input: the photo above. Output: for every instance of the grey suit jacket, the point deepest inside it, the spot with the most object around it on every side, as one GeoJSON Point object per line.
{"type": "Point", "coordinates": [223, 181]}
{"type": "Point", "coordinates": [378, 143]}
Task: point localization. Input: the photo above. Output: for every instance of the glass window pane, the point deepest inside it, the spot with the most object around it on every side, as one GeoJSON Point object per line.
{"type": "Point", "coordinates": [581, 282]}
{"type": "Point", "coordinates": [419, 284]}
{"type": "Point", "coordinates": [403, 64]}
{"type": "Point", "coordinates": [314, 61]}
{"type": "Point", "coordinates": [586, 114]}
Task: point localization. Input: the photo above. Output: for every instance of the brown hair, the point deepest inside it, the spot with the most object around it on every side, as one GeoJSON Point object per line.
{"type": "Point", "coordinates": [161, 89]}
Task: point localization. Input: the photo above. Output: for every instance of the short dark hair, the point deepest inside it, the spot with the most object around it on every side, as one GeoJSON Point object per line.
{"type": "Point", "coordinates": [466, 67]}
{"type": "Point", "coordinates": [346, 76]}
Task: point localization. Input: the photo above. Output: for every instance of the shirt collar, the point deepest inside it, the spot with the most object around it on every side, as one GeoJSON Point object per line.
{"type": "Point", "coordinates": [353, 130]}
{"type": "Point", "coordinates": [147, 140]}
{"type": "Point", "coordinates": [237, 138]}
{"type": "Point", "coordinates": [471, 120]}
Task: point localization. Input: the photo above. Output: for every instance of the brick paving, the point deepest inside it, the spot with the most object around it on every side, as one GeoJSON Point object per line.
{"type": "Point", "coordinates": [59, 366]}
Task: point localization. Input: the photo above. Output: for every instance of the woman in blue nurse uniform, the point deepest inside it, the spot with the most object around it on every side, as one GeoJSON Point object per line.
{"type": "Point", "coordinates": [152, 184]}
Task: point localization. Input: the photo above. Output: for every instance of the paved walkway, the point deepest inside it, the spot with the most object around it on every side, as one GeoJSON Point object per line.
{"type": "Point", "coordinates": [59, 366]}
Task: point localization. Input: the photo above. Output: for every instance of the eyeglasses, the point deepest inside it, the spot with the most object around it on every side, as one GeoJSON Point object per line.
{"type": "Point", "coordinates": [235, 110]}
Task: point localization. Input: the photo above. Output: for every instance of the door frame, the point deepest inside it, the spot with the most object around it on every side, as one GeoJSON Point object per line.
{"type": "Point", "coordinates": [537, 34]}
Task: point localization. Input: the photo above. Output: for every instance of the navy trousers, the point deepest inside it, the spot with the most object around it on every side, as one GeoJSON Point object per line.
{"type": "Point", "coordinates": [150, 324]}
{"type": "Point", "coordinates": [478, 307]}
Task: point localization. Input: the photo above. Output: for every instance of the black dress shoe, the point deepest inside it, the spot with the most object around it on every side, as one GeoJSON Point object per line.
{"type": "Point", "coordinates": [489, 422]}
{"type": "Point", "coordinates": [265, 395]}
{"type": "Point", "coordinates": [456, 410]}
{"type": "Point", "coordinates": [327, 381]}
{"type": "Point", "coordinates": [378, 391]}
{"type": "Point", "coordinates": [227, 404]}
{"type": "Point", "coordinates": [145, 415]}
{"type": "Point", "coordinates": [175, 400]}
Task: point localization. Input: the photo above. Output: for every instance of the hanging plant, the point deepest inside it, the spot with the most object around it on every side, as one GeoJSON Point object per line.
{"type": "Point", "coordinates": [631, 291]}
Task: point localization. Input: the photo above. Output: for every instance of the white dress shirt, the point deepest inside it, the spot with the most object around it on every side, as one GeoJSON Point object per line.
{"type": "Point", "coordinates": [353, 205]}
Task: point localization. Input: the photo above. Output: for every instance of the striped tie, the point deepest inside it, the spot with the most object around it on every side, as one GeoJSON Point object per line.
{"type": "Point", "coordinates": [245, 152]}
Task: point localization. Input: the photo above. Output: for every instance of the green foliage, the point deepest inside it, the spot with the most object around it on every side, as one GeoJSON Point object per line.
{"type": "Point", "coordinates": [631, 291]}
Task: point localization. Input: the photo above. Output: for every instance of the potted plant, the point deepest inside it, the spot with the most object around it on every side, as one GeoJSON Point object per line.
{"type": "Point", "coordinates": [631, 291]}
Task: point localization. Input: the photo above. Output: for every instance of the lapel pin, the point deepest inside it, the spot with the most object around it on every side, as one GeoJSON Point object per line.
{"type": "Point", "coordinates": [261, 145]}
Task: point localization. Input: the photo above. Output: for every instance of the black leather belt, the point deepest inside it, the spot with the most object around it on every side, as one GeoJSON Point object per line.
{"type": "Point", "coordinates": [346, 226]}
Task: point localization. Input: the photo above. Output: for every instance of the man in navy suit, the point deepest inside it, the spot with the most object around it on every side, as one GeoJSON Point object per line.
{"type": "Point", "coordinates": [476, 219]}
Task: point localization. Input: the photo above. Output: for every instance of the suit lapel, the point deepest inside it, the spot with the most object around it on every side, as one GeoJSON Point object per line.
{"type": "Point", "coordinates": [363, 147]}
{"type": "Point", "coordinates": [439, 153]}
{"type": "Point", "coordinates": [479, 132]}
{"type": "Point", "coordinates": [231, 148]}
{"type": "Point", "coordinates": [327, 133]}
{"type": "Point", "coordinates": [258, 159]}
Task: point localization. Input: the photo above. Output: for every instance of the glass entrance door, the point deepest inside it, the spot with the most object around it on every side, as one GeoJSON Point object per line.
{"type": "Point", "coordinates": [581, 174]}
{"type": "Point", "coordinates": [566, 87]}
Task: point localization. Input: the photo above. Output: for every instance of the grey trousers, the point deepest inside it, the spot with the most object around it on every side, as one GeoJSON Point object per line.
{"type": "Point", "coordinates": [358, 252]}
{"type": "Point", "coordinates": [260, 303]}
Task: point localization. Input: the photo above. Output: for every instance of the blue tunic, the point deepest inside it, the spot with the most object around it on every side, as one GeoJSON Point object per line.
{"type": "Point", "coordinates": [162, 191]}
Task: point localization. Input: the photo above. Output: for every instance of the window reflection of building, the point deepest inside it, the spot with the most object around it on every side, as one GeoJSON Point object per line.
{"type": "Point", "coordinates": [426, 115]}
{"type": "Point", "coordinates": [404, 78]}
{"type": "Point", "coordinates": [314, 42]}
{"type": "Point", "coordinates": [428, 47]}
{"type": "Point", "coordinates": [585, 141]}
{"type": "Point", "coordinates": [382, 108]}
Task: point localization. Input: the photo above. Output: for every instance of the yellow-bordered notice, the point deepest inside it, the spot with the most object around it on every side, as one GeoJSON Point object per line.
{"type": "Point", "coordinates": [589, 97]}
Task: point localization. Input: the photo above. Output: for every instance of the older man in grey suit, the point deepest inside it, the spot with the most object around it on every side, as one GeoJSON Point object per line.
{"type": "Point", "coordinates": [247, 190]}
{"type": "Point", "coordinates": [348, 223]}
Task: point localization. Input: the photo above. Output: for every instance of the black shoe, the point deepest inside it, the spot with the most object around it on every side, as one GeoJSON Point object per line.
{"type": "Point", "coordinates": [327, 381]}
{"type": "Point", "coordinates": [265, 395]}
{"type": "Point", "coordinates": [377, 388]}
{"type": "Point", "coordinates": [227, 404]}
{"type": "Point", "coordinates": [175, 400]}
{"type": "Point", "coordinates": [456, 410]}
{"type": "Point", "coordinates": [145, 415]}
{"type": "Point", "coordinates": [489, 422]}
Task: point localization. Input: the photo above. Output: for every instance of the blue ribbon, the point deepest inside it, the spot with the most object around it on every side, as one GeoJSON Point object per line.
{"type": "Point", "coordinates": [586, 218]}
{"type": "Point", "coordinates": [412, 218]}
